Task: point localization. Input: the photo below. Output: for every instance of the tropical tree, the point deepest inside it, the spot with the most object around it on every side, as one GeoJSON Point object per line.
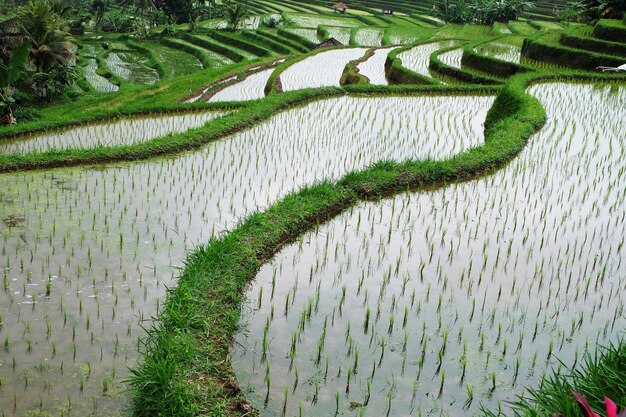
{"type": "Point", "coordinates": [47, 32]}
{"type": "Point", "coordinates": [451, 12]}
{"type": "Point", "coordinates": [10, 71]}
{"type": "Point", "coordinates": [236, 13]}
{"type": "Point", "coordinates": [145, 7]}
{"type": "Point", "coordinates": [99, 9]}
{"type": "Point", "coordinates": [484, 12]}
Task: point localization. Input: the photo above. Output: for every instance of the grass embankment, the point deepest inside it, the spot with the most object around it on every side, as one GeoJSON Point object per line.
{"type": "Point", "coordinates": [547, 49]}
{"type": "Point", "coordinates": [460, 74]}
{"type": "Point", "coordinates": [491, 65]}
{"type": "Point", "coordinates": [186, 370]}
{"type": "Point", "coordinates": [351, 74]}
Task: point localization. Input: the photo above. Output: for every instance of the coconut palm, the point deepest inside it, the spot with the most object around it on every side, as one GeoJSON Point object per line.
{"type": "Point", "coordinates": [235, 14]}
{"type": "Point", "coordinates": [47, 32]}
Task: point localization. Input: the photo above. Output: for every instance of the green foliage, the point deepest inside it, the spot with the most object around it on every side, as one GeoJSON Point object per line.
{"type": "Point", "coordinates": [610, 30]}
{"type": "Point", "coordinates": [593, 44]}
{"type": "Point", "coordinates": [546, 51]}
{"type": "Point", "coordinates": [235, 13]}
{"type": "Point", "coordinates": [9, 74]}
{"type": "Point", "coordinates": [592, 10]}
{"type": "Point", "coordinates": [601, 374]}
{"type": "Point", "coordinates": [483, 12]}
{"type": "Point", "coordinates": [272, 21]}
{"type": "Point", "coordinates": [47, 32]}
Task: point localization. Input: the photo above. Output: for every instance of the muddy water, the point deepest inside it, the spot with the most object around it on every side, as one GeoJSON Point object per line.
{"type": "Point", "coordinates": [87, 252]}
{"type": "Point", "coordinates": [321, 70]}
{"type": "Point", "coordinates": [114, 133]}
{"type": "Point", "coordinates": [480, 286]}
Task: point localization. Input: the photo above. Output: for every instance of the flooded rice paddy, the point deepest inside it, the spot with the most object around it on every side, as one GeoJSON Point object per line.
{"type": "Point", "coordinates": [306, 21]}
{"type": "Point", "coordinates": [374, 67]}
{"type": "Point", "coordinates": [126, 131]}
{"type": "Point", "coordinates": [501, 50]}
{"type": "Point", "coordinates": [418, 58]}
{"type": "Point", "coordinates": [436, 302]}
{"type": "Point", "coordinates": [307, 33]}
{"type": "Point", "coordinates": [320, 70]}
{"type": "Point", "coordinates": [87, 252]}
{"type": "Point", "coordinates": [342, 34]}
{"type": "Point", "coordinates": [98, 82]}
{"type": "Point", "coordinates": [251, 88]}
{"type": "Point", "coordinates": [131, 67]}
{"type": "Point", "coordinates": [369, 37]}
{"type": "Point", "coordinates": [452, 58]}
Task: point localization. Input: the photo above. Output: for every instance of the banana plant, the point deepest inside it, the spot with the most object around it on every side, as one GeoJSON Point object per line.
{"type": "Point", "coordinates": [9, 73]}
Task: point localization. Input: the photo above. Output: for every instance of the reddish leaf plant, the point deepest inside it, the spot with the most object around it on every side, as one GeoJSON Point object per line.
{"type": "Point", "coordinates": [611, 408]}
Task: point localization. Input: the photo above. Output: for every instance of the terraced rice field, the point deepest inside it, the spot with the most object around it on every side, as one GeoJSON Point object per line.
{"type": "Point", "coordinates": [307, 33]}
{"type": "Point", "coordinates": [131, 67]}
{"type": "Point", "coordinates": [369, 37]}
{"type": "Point", "coordinates": [89, 252]}
{"type": "Point", "coordinates": [340, 33]}
{"type": "Point", "coordinates": [452, 57]}
{"type": "Point", "coordinates": [501, 50]}
{"type": "Point", "coordinates": [113, 133]}
{"type": "Point", "coordinates": [446, 301]}
{"type": "Point", "coordinates": [418, 58]}
{"type": "Point", "coordinates": [443, 301]}
{"type": "Point", "coordinates": [176, 62]}
{"type": "Point", "coordinates": [251, 88]}
{"type": "Point", "coordinates": [309, 21]}
{"type": "Point", "coordinates": [320, 70]}
{"type": "Point", "coordinates": [98, 82]}
{"type": "Point", "coordinates": [374, 67]}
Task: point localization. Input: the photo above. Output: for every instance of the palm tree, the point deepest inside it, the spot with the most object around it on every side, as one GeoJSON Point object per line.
{"type": "Point", "coordinates": [235, 14]}
{"type": "Point", "coordinates": [47, 32]}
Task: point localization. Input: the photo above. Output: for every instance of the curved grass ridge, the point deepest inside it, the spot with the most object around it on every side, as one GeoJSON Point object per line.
{"type": "Point", "coordinates": [186, 369]}
{"type": "Point", "coordinates": [494, 66]}
{"type": "Point", "coordinates": [460, 74]}
{"type": "Point", "coordinates": [351, 74]}
{"type": "Point", "coordinates": [566, 56]}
